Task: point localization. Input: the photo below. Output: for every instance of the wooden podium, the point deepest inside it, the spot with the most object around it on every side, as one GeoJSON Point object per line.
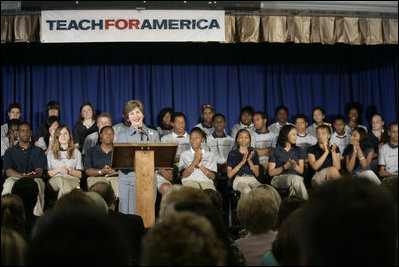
{"type": "Point", "coordinates": [144, 158]}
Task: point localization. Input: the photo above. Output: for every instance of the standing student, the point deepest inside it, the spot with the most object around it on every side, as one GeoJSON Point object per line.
{"type": "Point", "coordinates": [246, 116]}
{"type": "Point", "coordinates": [198, 166]}
{"type": "Point", "coordinates": [358, 155]}
{"type": "Point", "coordinates": [207, 112]}
{"type": "Point", "coordinates": [243, 164]}
{"type": "Point", "coordinates": [64, 162]}
{"type": "Point", "coordinates": [14, 112]}
{"type": "Point", "coordinates": [138, 132]}
{"type": "Point", "coordinates": [286, 163]}
{"type": "Point", "coordinates": [324, 158]}
{"type": "Point", "coordinates": [281, 113]}
{"type": "Point", "coordinates": [85, 125]}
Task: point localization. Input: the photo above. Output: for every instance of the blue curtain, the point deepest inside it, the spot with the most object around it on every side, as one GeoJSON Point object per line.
{"type": "Point", "coordinates": [186, 75]}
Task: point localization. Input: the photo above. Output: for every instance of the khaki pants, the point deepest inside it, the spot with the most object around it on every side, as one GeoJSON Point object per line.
{"type": "Point", "coordinates": [200, 184]}
{"type": "Point", "coordinates": [293, 182]}
{"type": "Point", "coordinates": [319, 177]}
{"type": "Point", "coordinates": [245, 183]}
{"type": "Point", "coordinates": [111, 180]}
{"type": "Point", "coordinates": [64, 184]}
{"type": "Point", "coordinates": [38, 210]}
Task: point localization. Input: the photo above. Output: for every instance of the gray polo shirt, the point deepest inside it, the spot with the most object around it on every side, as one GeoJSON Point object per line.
{"type": "Point", "coordinates": [275, 127]}
{"type": "Point", "coordinates": [74, 162]}
{"type": "Point", "coordinates": [388, 157]}
{"type": "Point", "coordinates": [220, 146]}
{"type": "Point", "coordinates": [305, 141]}
{"type": "Point", "coordinates": [183, 141]}
{"type": "Point", "coordinates": [341, 140]}
{"type": "Point", "coordinates": [263, 140]}
{"type": "Point", "coordinates": [208, 162]}
{"type": "Point", "coordinates": [240, 126]}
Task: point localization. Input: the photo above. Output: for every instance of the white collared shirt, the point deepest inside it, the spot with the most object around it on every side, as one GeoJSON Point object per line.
{"type": "Point", "coordinates": [184, 142]}
{"type": "Point", "coordinates": [208, 161]}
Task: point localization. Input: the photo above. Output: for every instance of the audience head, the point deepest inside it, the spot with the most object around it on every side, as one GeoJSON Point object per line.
{"type": "Point", "coordinates": [13, 213]}
{"type": "Point", "coordinates": [100, 203]}
{"type": "Point", "coordinates": [246, 115]}
{"type": "Point", "coordinates": [77, 234]}
{"type": "Point", "coordinates": [359, 134]}
{"type": "Point", "coordinates": [105, 190]}
{"type": "Point", "coordinates": [257, 211]}
{"type": "Point", "coordinates": [323, 133]}
{"type": "Point", "coordinates": [53, 108]}
{"type": "Point", "coordinates": [164, 117]}
{"type": "Point", "coordinates": [87, 112]}
{"type": "Point", "coordinates": [287, 206]}
{"type": "Point", "coordinates": [178, 193]}
{"type": "Point", "coordinates": [287, 246]}
{"type": "Point", "coordinates": [28, 190]}
{"type": "Point", "coordinates": [75, 198]}
{"type": "Point", "coordinates": [13, 247]}
{"type": "Point", "coordinates": [182, 238]}
{"type": "Point", "coordinates": [349, 221]}
{"type": "Point", "coordinates": [288, 134]}
{"type": "Point", "coordinates": [63, 137]}
{"type": "Point", "coordinates": [216, 199]}
{"type": "Point", "coordinates": [14, 111]}
{"type": "Point", "coordinates": [377, 122]}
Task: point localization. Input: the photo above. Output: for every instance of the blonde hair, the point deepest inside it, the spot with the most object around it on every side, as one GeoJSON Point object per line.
{"type": "Point", "coordinates": [57, 146]}
{"type": "Point", "coordinates": [258, 210]}
{"type": "Point", "coordinates": [105, 115]}
{"type": "Point", "coordinates": [13, 248]}
{"type": "Point", "coordinates": [132, 104]}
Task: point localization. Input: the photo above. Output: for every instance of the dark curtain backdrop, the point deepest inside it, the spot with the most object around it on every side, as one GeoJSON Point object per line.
{"type": "Point", "coordinates": [187, 75]}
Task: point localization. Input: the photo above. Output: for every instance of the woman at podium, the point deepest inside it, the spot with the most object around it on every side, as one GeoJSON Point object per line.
{"type": "Point", "coordinates": [138, 132]}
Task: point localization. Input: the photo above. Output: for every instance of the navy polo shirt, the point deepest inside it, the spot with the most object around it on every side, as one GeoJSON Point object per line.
{"type": "Point", "coordinates": [318, 152]}
{"type": "Point", "coordinates": [96, 158]}
{"type": "Point", "coordinates": [24, 161]}
{"type": "Point", "coordinates": [280, 156]}
{"type": "Point", "coordinates": [235, 157]}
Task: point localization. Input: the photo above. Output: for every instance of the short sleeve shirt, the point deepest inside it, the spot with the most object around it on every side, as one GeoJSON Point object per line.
{"type": "Point", "coordinates": [280, 156]}
{"type": "Point", "coordinates": [318, 152]}
{"type": "Point", "coordinates": [24, 161]}
{"type": "Point", "coordinates": [235, 157]}
{"type": "Point", "coordinates": [75, 162]}
{"type": "Point", "coordinates": [388, 157]}
{"type": "Point", "coordinates": [208, 161]}
{"type": "Point", "coordinates": [96, 158]}
{"type": "Point", "coordinates": [220, 146]}
{"type": "Point", "coordinates": [358, 167]}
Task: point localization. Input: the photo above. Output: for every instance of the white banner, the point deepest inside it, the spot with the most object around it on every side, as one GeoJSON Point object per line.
{"type": "Point", "coordinates": [64, 26]}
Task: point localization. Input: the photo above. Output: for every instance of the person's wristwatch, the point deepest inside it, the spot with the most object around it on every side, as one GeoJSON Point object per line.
{"type": "Point", "coordinates": [100, 172]}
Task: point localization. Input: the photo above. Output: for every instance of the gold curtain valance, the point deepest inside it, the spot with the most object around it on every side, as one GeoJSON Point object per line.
{"type": "Point", "coordinates": [256, 29]}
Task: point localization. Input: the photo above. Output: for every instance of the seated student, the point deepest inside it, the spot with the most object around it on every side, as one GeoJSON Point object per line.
{"type": "Point", "coordinates": [45, 142]}
{"type": "Point", "coordinates": [354, 111]}
{"type": "Point", "coordinates": [246, 116]}
{"type": "Point", "coordinates": [180, 136]}
{"type": "Point", "coordinates": [12, 135]}
{"type": "Point", "coordinates": [207, 113]}
{"type": "Point", "coordinates": [388, 156]}
{"type": "Point", "coordinates": [304, 140]}
{"type": "Point", "coordinates": [281, 113]}
{"type": "Point", "coordinates": [123, 126]}
{"type": "Point", "coordinates": [53, 108]}
{"type": "Point", "coordinates": [219, 143]}
{"type": "Point", "coordinates": [319, 115]}
{"type": "Point", "coordinates": [358, 155]}
{"type": "Point", "coordinates": [164, 121]}
{"type": "Point", "coordinates": [98, 161]}
{"type": "Point", "coordinates": [378, 134]}
{"type": "Point", "coordinates": [104, 119]}
{"type": "Point", "coordinates": [286, 163]}
{"type": "Point", "coordinates": [262, 139]}
{"type": "Point", "coordinates": [64, 162]}
{"type": "Point", "coordinates": [85, 125]}
{"type": "Point", "coordinates": [243, 164]}
{"type": "Point", "coordinates": [24, 160]}
{"type": "Point", "coordinates": [197, 165]}
{"type": "Point", "coordinates": [340, 136]}
{"type": "Point", "coordinates": [324, 158]}
{"type": "Point", "coordinates": [14, 112]}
